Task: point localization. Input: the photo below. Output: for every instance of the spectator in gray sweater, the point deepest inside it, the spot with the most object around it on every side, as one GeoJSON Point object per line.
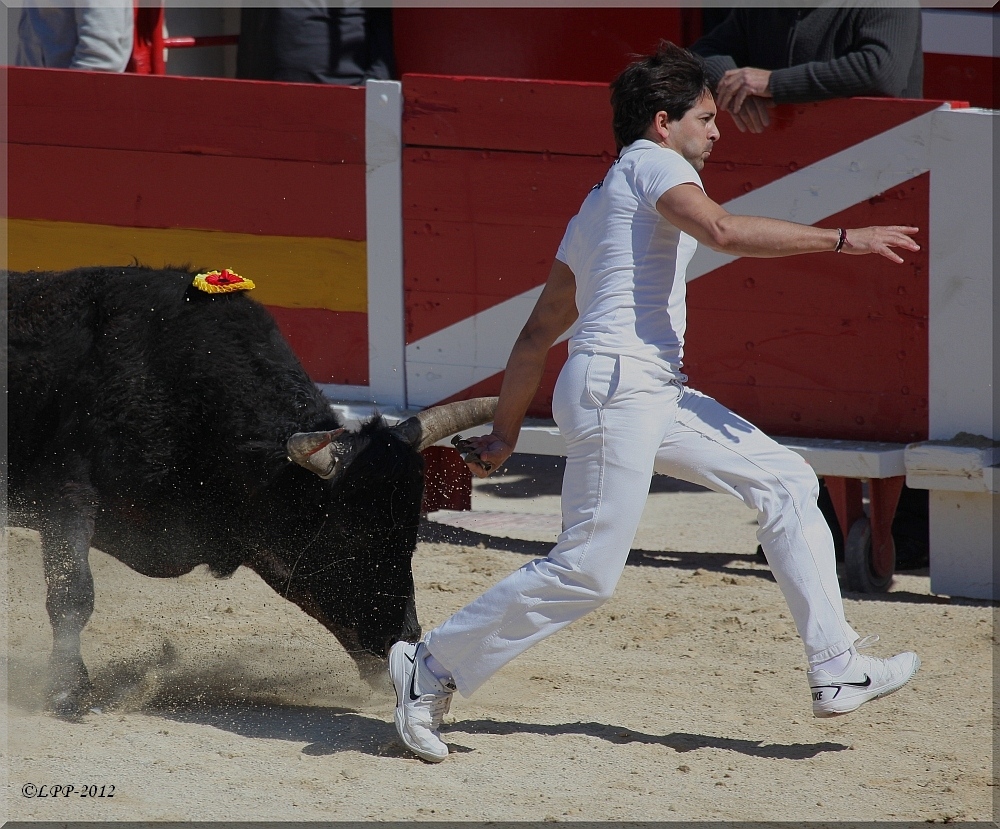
{"type": "Point", "coordinates": [758, 57]}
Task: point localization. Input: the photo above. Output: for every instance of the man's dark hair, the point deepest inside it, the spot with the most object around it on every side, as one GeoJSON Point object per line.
{"type": "Point", "coordinates": [672, 80]}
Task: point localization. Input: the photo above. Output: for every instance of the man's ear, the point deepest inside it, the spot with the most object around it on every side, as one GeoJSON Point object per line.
{"type": "Point", "coordinates": [661, 125]}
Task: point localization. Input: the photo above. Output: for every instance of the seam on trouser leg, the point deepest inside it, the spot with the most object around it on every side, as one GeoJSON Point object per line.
{"type": "Point", "coordinates": [585, 547]}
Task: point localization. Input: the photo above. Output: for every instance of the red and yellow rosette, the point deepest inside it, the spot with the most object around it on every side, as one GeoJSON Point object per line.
{"type": "Point", "coordinates": [221, 282]}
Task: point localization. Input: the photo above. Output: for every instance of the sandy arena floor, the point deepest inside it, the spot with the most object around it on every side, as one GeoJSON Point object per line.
{"type": "Point", "coordinates": [684, 698]}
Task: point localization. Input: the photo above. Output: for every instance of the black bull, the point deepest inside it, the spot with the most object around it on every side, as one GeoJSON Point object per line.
{"type": "Point", "coordinates": [156, 422]}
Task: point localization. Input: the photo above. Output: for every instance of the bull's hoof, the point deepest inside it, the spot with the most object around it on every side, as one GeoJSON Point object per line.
{"type": "Point", "coordinates": [68, 705]}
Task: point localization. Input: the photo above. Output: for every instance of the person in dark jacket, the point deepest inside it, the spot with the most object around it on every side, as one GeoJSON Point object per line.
{"type": "Point", "coordinates": [758, 57]}
{"type": "Point", "coordinates": [315, 41]}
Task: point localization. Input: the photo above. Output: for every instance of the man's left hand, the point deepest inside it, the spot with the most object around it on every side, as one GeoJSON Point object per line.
{"type": "Point", "coordinates": [737, 84]}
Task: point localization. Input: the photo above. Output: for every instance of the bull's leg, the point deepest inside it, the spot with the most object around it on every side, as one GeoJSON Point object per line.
{"type": "Point", "coordinates": [66, 535]}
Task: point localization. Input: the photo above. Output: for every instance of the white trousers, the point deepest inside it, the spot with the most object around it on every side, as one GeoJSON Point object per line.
{"type": "Point", "coordinates": [623, 419]}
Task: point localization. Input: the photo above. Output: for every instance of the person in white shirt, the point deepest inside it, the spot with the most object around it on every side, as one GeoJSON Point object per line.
{"type": "Point", "coordinates": [622, 405]}
{"type": "Point", "coordinates": [87, 34]}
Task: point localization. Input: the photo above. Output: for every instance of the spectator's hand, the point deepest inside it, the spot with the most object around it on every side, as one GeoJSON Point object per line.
{"type": "Point", "coordinates": [754, 115]}
{"type": "Point", "coordinates": [879, 240]}
{"type": "Point", "coordinates": [737, 84]}
{"type": "Point", "coordinates": [490, 448]}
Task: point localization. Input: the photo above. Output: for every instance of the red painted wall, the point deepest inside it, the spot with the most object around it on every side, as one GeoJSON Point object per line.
{"type": "Point", "coordinates": [492, 171]}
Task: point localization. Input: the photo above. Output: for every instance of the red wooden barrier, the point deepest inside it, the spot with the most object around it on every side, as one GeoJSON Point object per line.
{"type": "Point", "coordinates": [264, 178]}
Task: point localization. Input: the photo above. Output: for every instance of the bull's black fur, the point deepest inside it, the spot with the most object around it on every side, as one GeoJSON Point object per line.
{"type": "Point", "coordinates": [149, 419]}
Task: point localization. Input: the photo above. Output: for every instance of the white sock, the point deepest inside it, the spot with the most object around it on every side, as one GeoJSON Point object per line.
{"type": "Point", "coordinates": [835, 665]}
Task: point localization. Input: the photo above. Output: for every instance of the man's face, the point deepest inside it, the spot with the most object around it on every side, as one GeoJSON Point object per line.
{"type": "Point", "coordinates": [695, 133]}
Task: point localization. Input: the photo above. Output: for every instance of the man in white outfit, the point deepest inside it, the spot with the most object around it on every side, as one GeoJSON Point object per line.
{"type": "Point", "coordinates": [623, 408]}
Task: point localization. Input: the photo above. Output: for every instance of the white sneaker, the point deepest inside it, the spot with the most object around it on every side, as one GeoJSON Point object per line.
{"type": "Point", "coordinates": [422, 700]}
{"type": "Point", "coordinates": [865, 678]}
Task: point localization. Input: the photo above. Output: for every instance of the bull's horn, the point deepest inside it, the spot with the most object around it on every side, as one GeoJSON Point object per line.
{"type": "Point", "coordinates": [316, 451]}
{"type": "Point", "coordinates": [431, 425]}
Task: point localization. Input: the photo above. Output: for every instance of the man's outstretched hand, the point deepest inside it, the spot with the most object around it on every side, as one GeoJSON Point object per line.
{"type": "Point", "coordinates": [880, 240]}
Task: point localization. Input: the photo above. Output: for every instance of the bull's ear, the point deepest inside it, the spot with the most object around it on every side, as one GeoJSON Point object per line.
{"type": "Point", "coordinates": [327, 454]}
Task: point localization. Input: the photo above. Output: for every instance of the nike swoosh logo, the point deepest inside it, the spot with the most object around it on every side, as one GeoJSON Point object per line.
{"type": "Point", "coordinates": [865, 684]}
{"type": "Point", "coordinates": [839, 685]}
{"type": "Point", "coordinates": [413, 676]}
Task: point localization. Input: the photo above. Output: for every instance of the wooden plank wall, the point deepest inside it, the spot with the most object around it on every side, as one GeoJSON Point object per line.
{"type": "Point", "coordinates": [492, 171]}
{"type": "Point", "coordinates": [269, 180]}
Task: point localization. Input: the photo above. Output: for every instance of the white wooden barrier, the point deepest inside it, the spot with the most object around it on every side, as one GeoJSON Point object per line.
{"type": "Point", "coordinates": [963, 506]}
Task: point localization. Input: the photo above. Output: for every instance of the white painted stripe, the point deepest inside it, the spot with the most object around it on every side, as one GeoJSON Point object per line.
{"type": "Point", "coordinates": [947, 32]}
{"type": "Point", "coordinates": [384, 223]}
{"type": "Point", "coordinates": [833, 184]}
{"type": "Point", "coordinates": [454, 358]}
{"type": "Point", "coordinates": [849, 458]}
{"type": "Point", "coordinates": [467, 352]}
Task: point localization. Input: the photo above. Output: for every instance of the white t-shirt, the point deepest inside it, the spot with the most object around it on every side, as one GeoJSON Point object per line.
{"type": "Point", "coordinates": [630, 262]}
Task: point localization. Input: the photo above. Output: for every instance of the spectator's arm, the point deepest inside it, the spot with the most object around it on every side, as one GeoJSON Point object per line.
{"type": "Point", "coordinates": [885, 40]}
{"type": "Point", "coordinates": [104, 37]}
{"type": "Point", "coordinates": [724, 48]}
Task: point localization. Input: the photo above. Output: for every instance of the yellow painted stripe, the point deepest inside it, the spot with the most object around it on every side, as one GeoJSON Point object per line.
{"type": "Point", "coordinates": [289, 271]}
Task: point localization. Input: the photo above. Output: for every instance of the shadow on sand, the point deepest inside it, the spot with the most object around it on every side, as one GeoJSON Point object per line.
{"type": "Point", "coordinates": [332, 730]}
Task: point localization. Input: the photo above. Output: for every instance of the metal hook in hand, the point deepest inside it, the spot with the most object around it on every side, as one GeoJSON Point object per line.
{"type": "Point", "coordinates": [469, 452]}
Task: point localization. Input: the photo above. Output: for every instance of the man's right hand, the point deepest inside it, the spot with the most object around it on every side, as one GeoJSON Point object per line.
{"type": "Point", "coordinates": [490, 448]}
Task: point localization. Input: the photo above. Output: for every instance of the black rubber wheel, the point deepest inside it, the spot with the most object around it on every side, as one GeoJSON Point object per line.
{"type": "Point", "coordinates": [859, 571]}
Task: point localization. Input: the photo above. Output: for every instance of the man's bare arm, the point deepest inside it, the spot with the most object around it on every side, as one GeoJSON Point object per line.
{"type": "Point", "coordinates": [554, 312]}
{"type": "Point", "coordinates": [687, 207]}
